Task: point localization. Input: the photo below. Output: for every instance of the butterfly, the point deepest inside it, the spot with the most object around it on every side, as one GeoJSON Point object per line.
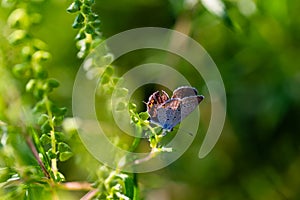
{"type": "Point", "coordinates": [168, 112]}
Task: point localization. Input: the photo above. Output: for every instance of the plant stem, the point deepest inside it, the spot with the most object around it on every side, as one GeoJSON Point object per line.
{"type": "Point", "coordinates": [36, 155]}
{"type": "Point", "coordinates": [52, 136]}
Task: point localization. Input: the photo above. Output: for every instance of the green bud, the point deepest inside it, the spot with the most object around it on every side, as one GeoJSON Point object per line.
{"type": "Point", "coordinates": [52, 83]}
{"type": "Point", "coordinates": [27, 52]}
{"type": "Point", "coordinates": [39, 44]}
{"type": "Point", "coordinates": [121, 106]}
{"type": "Point", "coordinates": [104, 79]}
{"type": "Point", "coordinates": [97, 22]}
{"type": "Point", "coordinates": [86, 9]}
{"type": "Point", "coordinates": [134, 119]}
{"type": "Point", "coordinates": [132, 106]}
{"type": "Point", "coordinates": [35, 18]}
{"type": "Point", "coordinates": [78, 22]}
{"type": "Point", "coordinates": [17, 37]}
{"type": "Point", "coordinates": [74, 7]}
{"type": "Point", "coordinates": [30, 86]}
{"type": "Point", "coordinates": [144, 115]}
{"type": "Point", "coordinates": [121, 92]}
{"type": "Point", "coordinates": [77, 25]}
{"type": "Point", "coordinates": [109, 71]}
{"type": "Point", "coordinates": [89, 29]}
{"type": "Point", "coordinates": [41, 55]}
{"type": "Point", "coordinates": [89, 2]}
{"type": "Point", "coordinates": [18, 19]}
{"type": "Point", "coordinates": [60, 177]}
{"type": "Point", "coordinates": [50, 154]}
{"type": "Point", "coordinates": [81, 35]}
{"type": "Point", "coordinates": [39, 71]}
{"type": "Point", "coordinates": [92, 16]}
{"type": "Point", "coordinates": [22, 70]}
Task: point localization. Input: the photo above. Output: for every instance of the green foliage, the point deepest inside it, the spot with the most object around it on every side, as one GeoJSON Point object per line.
{"type": "Point", "coordinates": [87, 22]}
{"type": "Point", "coordinates": [254, 44]}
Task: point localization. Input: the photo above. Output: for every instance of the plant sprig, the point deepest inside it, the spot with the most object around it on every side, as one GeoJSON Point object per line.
{"type": "Point", "coordinates": [46, 117]}
{"type": "Point", "coordinates": [88, 24]}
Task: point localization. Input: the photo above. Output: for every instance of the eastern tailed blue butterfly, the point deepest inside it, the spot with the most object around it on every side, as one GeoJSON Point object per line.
{"type": "Point", "coordinates": [168, 112]}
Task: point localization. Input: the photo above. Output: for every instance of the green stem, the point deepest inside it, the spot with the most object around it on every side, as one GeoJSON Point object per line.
{"type": "Point", "coordinates": [52, 136]}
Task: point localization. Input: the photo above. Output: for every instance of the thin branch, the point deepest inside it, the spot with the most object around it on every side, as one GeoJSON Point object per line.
{"type": "Point", "coordinates": [36, 155]}
{"type": "Point", "coordinates": [76, 186]}
{"type": "Point", "coordinates": [89, 195]}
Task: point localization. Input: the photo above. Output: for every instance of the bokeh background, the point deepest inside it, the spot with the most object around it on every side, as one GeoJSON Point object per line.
{"type": "Point", "coordinates": [256, 48]}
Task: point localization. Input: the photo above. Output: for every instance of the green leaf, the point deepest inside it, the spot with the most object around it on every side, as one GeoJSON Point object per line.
{"type": "Point", "coordinates": [58, 111]}
{"type": "Point", "coordinates": [39, 107]}
{"type": "Point", "coordinates": [78, 22]}
{"type": "Point", "coordinates": [89, 2]}
{"type": "Point", "coordinates": [105, 79]}
{"type": "Point", "coordinates": [86, 9]}
{"type": "Point", "coordinates": [97, 22]}
{"type": "Point", "coordinates": [53, 83]}
{"type": "Point", "coordinates": [92, 16]}
{"type": "Point", "coordinates": [109, 71]}
{"type": "Point", "coordinates": [63, 147]}
{"type": "Point", "coordinates": [129, 186]}
{"type": "Point", "coordinates": [58, 120]}
{"type": "Point", "coordinates": [121, 92]}
{"type": "Point", "coordinates": [60, 177]}
{"type": "Point", "coordinates": [4, 174]}
{"type": "Point", "coordinates": [144, 115]}
{"type": "Point", "coordinates": [65, 155]}
{"type": "Point", "coordinates": [115, 80]}
{"type": "Point", "coordinates": [89, 29]}
{"type": "Point", "coordinates": [50, 85]}
{"type": "Point", "coordinates": [74, 7]}
{"type": "Point", "coordinates": [46, 128]}
{"type": "Point", "coordinates": [121, 106]}
{"type": "Point", "coordinates": [79, 18]}
{"type": "Point", "coordinates": [45, 139]}
{"type": "Point", "coordinates": [81, 35]}
{"type": "Point", "coordinates": [65, 151]}
{"type": "Point", "coordinates": [134, 119]}
{"type": "Point", "coordinates": [132, 106]}
{"type": "Point", "coordinates": [157, 130]}
{"type": "Point", "coordinates": [50, 154]}
{"type": "Point", "coordinates": [42, 119]}
{"type": "Point", "coordinates": [76, 25]}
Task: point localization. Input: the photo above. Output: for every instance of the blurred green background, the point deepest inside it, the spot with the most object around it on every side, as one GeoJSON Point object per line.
{"type": "Point", "coordinates": [257, 52]}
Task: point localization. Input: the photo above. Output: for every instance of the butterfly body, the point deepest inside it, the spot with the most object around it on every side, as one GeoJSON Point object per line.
{"type": "Point", "coordinates": [168, 112]}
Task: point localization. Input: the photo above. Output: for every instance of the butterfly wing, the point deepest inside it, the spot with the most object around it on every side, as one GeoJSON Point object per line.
{"type": "Point", "coordinates": [188, 104]}
{"type": "Point", "coordinates": [155, 100]}
{"type": "Point", "coordinates": [169, 114]}
{"type": "Point", "coordinates": [166, 112]}
{"type": "Point", "coordinates": [184, 91]}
